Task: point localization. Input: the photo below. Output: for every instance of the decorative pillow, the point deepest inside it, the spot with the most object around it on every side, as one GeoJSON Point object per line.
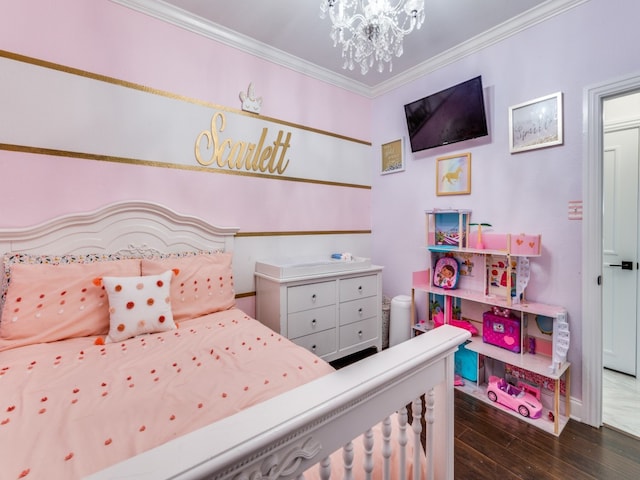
{"type": "Point", "coordinates": [138, 305]}
{"type": "Point", "coordinates": [13, 258]}
{"type": "Point", "coordinates": [204, 283]}
{"type": "Point", "coordinates": [45, 303]}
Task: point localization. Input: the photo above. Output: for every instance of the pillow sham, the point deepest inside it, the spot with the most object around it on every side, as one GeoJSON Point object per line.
{"type": "Point", "coordinates": [13, 258]}
{"type": "Point", "coordinates": [45, 303]}
{"type": "Point", "coordinates": [203, 285]}
{"type": "Point", "coordinates": [138, 305]}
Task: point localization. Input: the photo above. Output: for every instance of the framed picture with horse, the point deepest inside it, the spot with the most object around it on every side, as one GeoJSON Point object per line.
{"type": "Point", "coordinates": [453, 174]}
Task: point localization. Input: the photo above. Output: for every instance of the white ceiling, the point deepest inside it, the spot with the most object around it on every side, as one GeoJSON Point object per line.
{"type": "Point", "coordinates": [291, 33]}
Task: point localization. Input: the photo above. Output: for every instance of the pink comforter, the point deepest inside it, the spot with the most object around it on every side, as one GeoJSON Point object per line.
{"type": "Point", "coordinates": [71, 408]}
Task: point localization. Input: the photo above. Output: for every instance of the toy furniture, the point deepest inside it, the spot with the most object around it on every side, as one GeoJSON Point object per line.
{"type": "Point", "coordinates": [493, 282]}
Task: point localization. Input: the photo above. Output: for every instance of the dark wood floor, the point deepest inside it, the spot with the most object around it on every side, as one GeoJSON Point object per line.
{"type": "Point", "coordinates": [491, 444]}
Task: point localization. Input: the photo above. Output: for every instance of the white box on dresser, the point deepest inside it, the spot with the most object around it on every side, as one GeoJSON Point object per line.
{"type": "Point", "coordinates": [332, 308]}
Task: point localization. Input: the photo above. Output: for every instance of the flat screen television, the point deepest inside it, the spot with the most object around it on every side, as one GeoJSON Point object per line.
{"type": "Point", "coordinates": [449, 116]}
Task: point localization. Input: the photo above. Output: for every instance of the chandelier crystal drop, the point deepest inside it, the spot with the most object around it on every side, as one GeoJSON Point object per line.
{"type": "Point", "coordinates": [371, 31]}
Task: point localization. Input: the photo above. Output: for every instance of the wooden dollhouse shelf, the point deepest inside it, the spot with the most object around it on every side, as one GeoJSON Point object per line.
{"type": "Point", "coordinates": [553, 427]}
{"type": "Point", "coordinates": [474, 296]}
{"type": "Point", "coordinates": [539, 363]}
{"type": "Point", "coordinates": [484, 279]}
{"type": "Point", "coordinates": [450, 231]}
{"type": "Point", "coordinates": [422, 282]}
{"type": "Point", "coordinates": [478, 251]}
{"type": "Point", "coordinates": [535, 363]}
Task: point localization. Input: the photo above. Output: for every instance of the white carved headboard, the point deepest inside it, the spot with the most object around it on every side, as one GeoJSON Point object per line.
{"type": "Point", "coordinates": [129, 227]}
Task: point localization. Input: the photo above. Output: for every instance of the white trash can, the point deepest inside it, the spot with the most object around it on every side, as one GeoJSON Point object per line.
{"type": "Point", "coordinates": [400, 329]}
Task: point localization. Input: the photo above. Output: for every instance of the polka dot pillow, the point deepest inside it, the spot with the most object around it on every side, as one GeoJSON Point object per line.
{"type": "Point", "coordinates": [204, 283]}
{"type": "Point", "coordinates": [138, 305]}
{"type": "Point", "coordinates": [14, 258]}
{"type": "Point", "coordinates": [46, 303]}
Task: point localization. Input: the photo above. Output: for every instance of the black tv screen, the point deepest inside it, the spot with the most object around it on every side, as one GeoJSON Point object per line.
{"type": "Point", "coordinates": [449, 116]}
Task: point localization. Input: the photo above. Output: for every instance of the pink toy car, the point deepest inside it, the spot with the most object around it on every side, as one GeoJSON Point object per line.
{"type": "Point", "coordinates": [515, 398]}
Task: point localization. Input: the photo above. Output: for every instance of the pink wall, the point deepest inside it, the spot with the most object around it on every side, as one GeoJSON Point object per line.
{"type": "Point", "coordinates": [105, 38]}
{"type": "Point", "coordinates": [62, 185]}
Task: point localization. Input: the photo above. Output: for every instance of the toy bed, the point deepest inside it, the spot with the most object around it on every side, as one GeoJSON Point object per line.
{"type": "Point", "coordinates": [123, 355]}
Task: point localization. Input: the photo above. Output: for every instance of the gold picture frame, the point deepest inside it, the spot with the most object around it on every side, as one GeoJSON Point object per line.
{"type": "Point", "coordinates": [536, 124]}
{"type": "Point", "coordinates": [453, 174]}
{"type": "Point", "coordinates": [392, 157]}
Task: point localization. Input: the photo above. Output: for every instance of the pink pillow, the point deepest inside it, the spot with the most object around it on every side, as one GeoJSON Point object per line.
{"type": "Point", "coordinates": [204, 283]}
{"type": "Point", "coordinates": [138, 305]}
{"type": "Point", "coordinates": [46, 303]}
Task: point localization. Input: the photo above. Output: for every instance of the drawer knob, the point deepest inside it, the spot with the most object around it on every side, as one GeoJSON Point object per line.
{"type": "Point", "coordinates": [360, 289]}
{"type": "Point", "coordinates": [360, 333]}
{"type": "Point", "coordinates": [313, 348]}
{"type": "Point", "coordinates": [313, 322]}
{"type": "Point", "coordinates": [360, 311]}
{"type": "Point", "coordinates": [313, 297]}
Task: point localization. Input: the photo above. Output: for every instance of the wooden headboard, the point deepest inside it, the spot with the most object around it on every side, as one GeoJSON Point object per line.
{"type": "Point", "coordinates": [130, 227]}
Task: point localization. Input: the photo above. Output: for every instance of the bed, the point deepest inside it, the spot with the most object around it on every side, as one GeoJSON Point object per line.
{"type": "Point", "coordinates": [193, 387]}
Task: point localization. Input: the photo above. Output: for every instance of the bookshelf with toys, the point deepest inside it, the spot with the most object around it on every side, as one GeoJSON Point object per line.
{"type": "Point", "coordinates": [477, 280]}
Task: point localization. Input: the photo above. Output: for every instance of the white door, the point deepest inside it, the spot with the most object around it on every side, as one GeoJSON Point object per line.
{"type": "Point", "coordinates": [620, 249]}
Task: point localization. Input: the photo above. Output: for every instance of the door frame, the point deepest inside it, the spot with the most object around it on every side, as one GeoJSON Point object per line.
{"type": "Point", "coordinates": [592, 354]}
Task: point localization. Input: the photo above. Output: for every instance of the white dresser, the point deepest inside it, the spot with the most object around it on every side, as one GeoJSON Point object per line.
{"type": "Point", "coordinates": [332, 308]}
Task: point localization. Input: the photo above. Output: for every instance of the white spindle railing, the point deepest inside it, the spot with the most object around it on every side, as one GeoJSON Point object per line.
{"type": "Point", "coordinates": [368, 451]}
{"type": "Point", "coordinates": [387, 449]}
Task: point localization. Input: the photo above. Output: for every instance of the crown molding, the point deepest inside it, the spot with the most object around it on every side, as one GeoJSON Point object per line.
{"type": "Point", "coordinates": [528, 19]}
{"type": "Point", "coordinates": [183, 19]}
{"type": "Point", "coordinates": [214, 31]}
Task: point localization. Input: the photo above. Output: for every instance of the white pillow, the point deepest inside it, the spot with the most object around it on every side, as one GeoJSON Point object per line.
{"type": "Point", "coordinates": [138, 305]}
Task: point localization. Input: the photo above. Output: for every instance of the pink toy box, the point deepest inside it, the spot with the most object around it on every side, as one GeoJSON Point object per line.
{"type": "Point", "coordinates": [516, 244]}
{"type": "Point", "coordinates": [502, 330]}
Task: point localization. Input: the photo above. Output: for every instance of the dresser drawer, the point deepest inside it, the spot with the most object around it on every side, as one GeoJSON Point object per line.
{"type": "Point", "coordinates": [356, 310]}
{"type": "Point", "coordinates": [313, 295]}
{"type": "Point", "coordinates": [358, 287]}
{"type": "Point", "coordinates": [358, 332]}
{"type": "Point", "coordinates": [321, 343]}
{"type": "Point", "coordinates": [311, 321]}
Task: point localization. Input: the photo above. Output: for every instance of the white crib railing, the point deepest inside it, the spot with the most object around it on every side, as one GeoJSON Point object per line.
{"type": "Point", "coordinates": [285, 436]}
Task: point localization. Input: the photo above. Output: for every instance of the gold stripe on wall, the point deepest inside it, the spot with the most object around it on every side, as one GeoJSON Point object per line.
{"type": "Point", "coordinates": [246, 294]}
{"type": "Point", "coordinates": [132, 161]}
{"type": "Point", "coordinates": [123, 83]}
{"type": "Point", "coordinates": [303, 232]}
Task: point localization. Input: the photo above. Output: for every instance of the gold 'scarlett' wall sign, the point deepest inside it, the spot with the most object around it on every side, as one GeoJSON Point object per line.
{"type": "Point", "coordinates": [237, 155]}
{"type": "Point", "coordinates": [90, 116]}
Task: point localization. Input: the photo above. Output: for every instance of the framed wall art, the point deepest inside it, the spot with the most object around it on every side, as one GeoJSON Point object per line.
{"type": "Point", "coordinates": [453, 174]}
{"type": "Point", "coordinates": [393, 157]}
{"type": "Point", "coordinates": [536, 124]}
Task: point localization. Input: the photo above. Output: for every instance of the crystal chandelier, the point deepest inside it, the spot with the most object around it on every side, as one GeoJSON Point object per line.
{"type": "Point", "coordinates": [371, 31]}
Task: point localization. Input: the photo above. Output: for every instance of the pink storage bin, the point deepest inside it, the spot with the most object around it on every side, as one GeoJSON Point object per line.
{"type": "Point", "coordinates": [523, 244]}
